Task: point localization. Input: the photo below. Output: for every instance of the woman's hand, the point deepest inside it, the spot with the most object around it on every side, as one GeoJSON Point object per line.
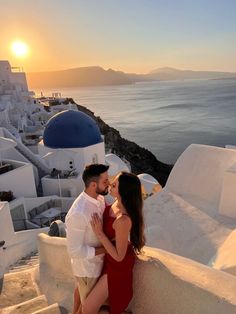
{"type": "Point", "coordinates": [96, 224]}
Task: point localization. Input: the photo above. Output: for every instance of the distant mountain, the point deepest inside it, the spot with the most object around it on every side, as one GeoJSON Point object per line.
{"type": "Point", "coordinates": [165, 70]}
{"type": "Point", "coordinates": [167, 73]}
{"type": "Point", "coordinates": [96, 76]}
{"type": "Point", "coordinates": [84, 76]}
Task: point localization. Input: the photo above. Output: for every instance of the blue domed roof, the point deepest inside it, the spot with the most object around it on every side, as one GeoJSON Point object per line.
{"type": "Point", "coordinates": [71, 129]}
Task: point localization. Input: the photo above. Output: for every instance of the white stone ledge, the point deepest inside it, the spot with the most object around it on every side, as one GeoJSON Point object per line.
{"type": "Point", "coordinates": [163, 282]}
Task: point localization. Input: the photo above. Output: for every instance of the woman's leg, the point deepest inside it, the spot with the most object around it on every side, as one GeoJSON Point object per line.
{"type": "Point", "coordinates": [96, 297]}
{"type": "Point", "coordinates": [77, 302]}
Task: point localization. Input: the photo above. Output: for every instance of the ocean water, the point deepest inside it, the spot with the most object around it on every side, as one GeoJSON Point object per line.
{"type": "Point", "coordinates": [165, 117]}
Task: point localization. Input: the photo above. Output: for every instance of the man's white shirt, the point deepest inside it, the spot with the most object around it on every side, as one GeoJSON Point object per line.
{"type": "Point", "coordinates": [81, 240]}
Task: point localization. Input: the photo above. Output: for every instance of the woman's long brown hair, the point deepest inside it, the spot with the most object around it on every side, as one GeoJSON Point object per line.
{"type": "Point", "coordinates": [131, 198]}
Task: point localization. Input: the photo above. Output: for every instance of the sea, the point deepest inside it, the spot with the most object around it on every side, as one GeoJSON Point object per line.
{"type": "Point", "coordinates": [164, 116]}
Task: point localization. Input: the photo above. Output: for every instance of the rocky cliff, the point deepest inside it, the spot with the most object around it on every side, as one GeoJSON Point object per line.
{"type": "Point", "coordinates": [141, 159]}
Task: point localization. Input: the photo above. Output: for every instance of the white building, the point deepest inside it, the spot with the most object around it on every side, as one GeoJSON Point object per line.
{"type": "Point", "coordinates": [12, 81]}
{"type": "Point", "coordinates": [20, 113]}
{"type": "Point", "coordinates": [196, 211]}
{"type": "Point", "coordinates": [71, 141]}
{"type": "Point", "coordinates": [20, 179]}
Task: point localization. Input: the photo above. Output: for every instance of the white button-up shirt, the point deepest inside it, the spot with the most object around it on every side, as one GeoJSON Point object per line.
{"type": "Point", "coordinates": [81, 240]}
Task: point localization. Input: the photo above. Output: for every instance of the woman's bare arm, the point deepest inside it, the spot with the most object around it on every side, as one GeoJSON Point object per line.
{"type": "Point", "coordinates": [122, 228]}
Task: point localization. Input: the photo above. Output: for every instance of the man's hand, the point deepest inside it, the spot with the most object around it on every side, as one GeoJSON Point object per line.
{"type": "Point", "coordinates": [99, 250]}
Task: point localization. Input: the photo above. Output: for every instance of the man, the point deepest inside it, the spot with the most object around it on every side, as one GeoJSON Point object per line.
{"type": "Point", "coordinates": [83, 246]}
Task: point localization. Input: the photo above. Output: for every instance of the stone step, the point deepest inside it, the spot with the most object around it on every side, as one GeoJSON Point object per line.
{"type": "Point", "coordinates": [31, 260]}
{"type": "Point", "coordinates": [17, 287]}
{"type": "Point", "coordinates": [34, 257]}
{"type": "Point", "coordinates": [22, 268]}
{"type": "Point", "coordinates": [51, 309]}
{"type": "Point", "coordinates": [25, 262]}
{"type": "Point", "coordinates": [27, 307]}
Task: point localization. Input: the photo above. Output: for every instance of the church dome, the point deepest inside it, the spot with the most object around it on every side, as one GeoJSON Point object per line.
{"type": "Point", "coordinates": [71, 129]}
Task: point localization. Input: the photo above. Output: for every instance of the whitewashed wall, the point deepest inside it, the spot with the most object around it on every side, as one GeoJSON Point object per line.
{"type": "Point", "coordinates": [83, 157]}
{"type": "Point", "coordinates": [19, 79]}
{"type": "Point", "coordinates": [17, 244]}
{"type": "Point", "coordinates": [228, 194]}
{"type": "Point", "coordinates": [225, 258]}
{"type": "Point", "coordinates": [70, 187]}
{"type": "Point", "coordinates": [198, 174]}
{"type": "Point", "coordinates": [19, 180]}
{"type": "Point", "coordinates": [163, 282]}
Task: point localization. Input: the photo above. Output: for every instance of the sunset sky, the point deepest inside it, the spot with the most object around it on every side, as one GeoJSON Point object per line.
{"type": "Point", "coordinates": [127, 35]}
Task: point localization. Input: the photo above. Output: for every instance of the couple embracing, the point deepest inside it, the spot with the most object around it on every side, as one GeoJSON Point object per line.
{"type": "Point", "coordinates": [104, 240]}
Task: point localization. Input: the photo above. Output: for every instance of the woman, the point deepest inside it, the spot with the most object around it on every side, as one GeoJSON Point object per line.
{"type": "Point", "coordinates": [122, 220]}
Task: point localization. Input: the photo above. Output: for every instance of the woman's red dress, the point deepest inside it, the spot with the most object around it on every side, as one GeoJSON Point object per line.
{"type": "Point", "coordinates": [119, 274]}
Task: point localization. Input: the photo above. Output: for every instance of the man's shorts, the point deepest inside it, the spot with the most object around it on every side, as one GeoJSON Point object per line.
{"type": "Point", "coordinates": [85, 285]}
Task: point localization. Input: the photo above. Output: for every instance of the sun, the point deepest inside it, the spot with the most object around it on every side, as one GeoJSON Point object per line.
{"type": "Point", "coordinates": [19, 48]}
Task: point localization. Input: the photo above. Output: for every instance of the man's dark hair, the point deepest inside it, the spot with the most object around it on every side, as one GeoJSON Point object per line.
{"type": "Point", "coordinates": [92, 173]}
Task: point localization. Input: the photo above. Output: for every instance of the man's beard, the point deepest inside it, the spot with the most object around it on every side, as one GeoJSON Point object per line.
{"type": "Point", "coordinates": [102, 192]}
